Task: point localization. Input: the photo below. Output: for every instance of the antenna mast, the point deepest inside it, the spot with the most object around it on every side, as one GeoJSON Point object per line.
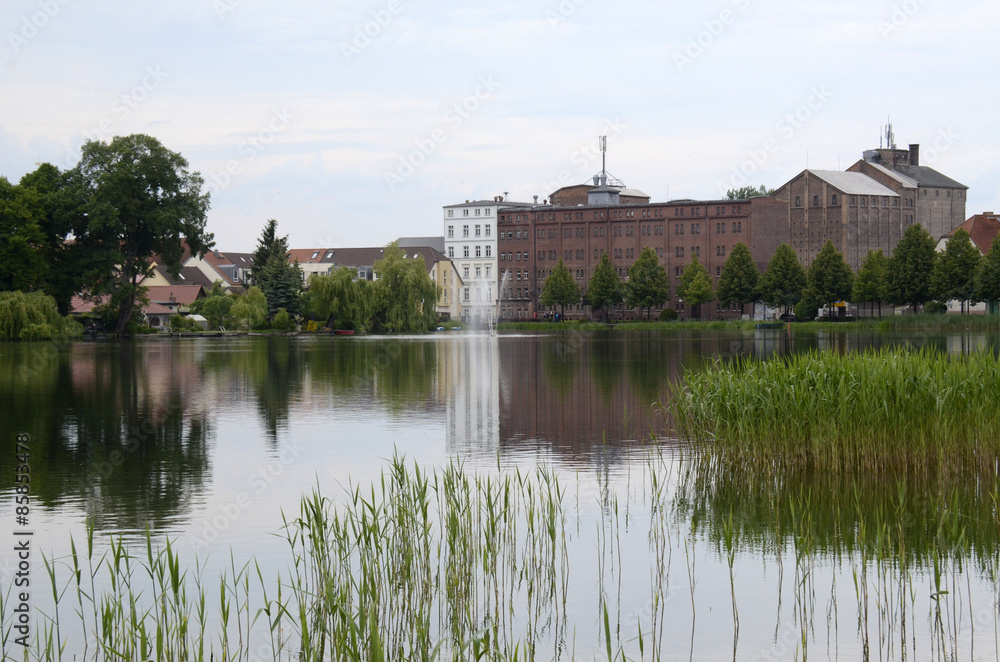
{"type": "Point", "coordinates": [604, 154]}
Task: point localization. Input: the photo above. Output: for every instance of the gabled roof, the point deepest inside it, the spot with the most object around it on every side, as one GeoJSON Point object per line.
{"type": "Point", "coordinates": [895, 174]}
{"type": "Point", "coordinates": [305, 255]}
{"type": "Point", "coordinates": [181, 294]}
{"type": "Point", "coordinates": [982, 228]}
{"type": "Point", "coordinates": [157, 309]}
{"type": "Point", "coordinates": [186, 276]}
{"type": "Point", "coordinates": [429, 254]}
{"type": "Point", "coordinates": [925, 176]}
{"type": "Point", "coordinates": [852, 183]}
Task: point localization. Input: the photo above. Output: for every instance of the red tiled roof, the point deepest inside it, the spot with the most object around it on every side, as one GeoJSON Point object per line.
{"type": "Point", "coordinates": [982, 228]}
{"type": "Point", "coordinates": [305, 255]}
{"type": "Point", "coordinates": [181, 294]}
{"type": "Point", "coordinates": [157, 309]}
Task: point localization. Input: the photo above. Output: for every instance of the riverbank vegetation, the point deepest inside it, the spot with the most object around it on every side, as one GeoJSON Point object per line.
{"type": "Point", "coordinates": [870, 411]}
{"type": "Point", "coordinates": [34, 316]}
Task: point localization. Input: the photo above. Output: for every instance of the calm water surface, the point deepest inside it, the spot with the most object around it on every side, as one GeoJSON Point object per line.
{"type": "Point", "coordinates": [209, 441]}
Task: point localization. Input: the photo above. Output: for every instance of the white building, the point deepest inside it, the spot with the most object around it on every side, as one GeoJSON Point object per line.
{"type": "Point", "coordinates": [470, 241]}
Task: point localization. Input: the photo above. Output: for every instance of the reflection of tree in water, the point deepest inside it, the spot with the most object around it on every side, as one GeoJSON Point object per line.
{"type": "Point", "coordinates": [910, 516]}
{"type": "Point", "coordinates": [607, 361]}
{"type": "Point", "coordinates": [561, 358]}
{"type": "Point", "coordinates": [116, 426]}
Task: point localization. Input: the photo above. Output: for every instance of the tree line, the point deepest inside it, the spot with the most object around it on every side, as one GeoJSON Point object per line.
{"type": "Point", "coordinates": [915, 275]}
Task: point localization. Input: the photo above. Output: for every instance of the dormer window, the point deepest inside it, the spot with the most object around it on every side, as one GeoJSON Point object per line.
{"type": "Point", "coordinates": [329, 255]}
{"type": "Point", "coordinates": [315, 255]}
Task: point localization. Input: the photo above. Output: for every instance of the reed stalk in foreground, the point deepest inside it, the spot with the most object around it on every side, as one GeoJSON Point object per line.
{"type": "Point", "coordinates": [870, 411]}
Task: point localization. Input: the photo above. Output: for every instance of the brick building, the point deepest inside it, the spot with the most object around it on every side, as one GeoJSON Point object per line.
{"type": "Point", "coordinates": [532, 240]}
{"type": "Point", "coordinates": [870, 205]}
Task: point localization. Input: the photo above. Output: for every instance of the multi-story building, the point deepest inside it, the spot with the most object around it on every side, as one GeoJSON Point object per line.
{"type": "Point", "coordinates": [870, 205]}
{"type": "Point", "coordinates": [533, 239]}
{"type": "Point", "coordinates": [470, 241]}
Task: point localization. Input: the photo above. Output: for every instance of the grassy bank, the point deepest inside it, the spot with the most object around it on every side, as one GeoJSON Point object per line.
{"type": "Point", "coordinates": [896, 323]}
{"type": "Point", "coordinates": [867, 411]}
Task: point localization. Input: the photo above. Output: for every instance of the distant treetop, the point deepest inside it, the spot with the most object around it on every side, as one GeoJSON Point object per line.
{"type": "Point", "coordinates": [748, 192]}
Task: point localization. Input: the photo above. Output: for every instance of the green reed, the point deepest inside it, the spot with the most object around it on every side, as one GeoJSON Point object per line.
{"type": "Point", "coordinates": [869, 411]}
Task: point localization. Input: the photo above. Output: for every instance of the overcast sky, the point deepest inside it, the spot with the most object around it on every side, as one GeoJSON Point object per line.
{"type": "Point", "coordinates": [353, 123]}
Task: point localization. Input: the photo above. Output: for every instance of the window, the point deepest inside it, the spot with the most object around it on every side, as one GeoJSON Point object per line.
{"type": "Point", "coordinates": [510, 256]}
{"type": "Point", "coordinates": [478, 212]}
{"type": "Point", "coordinates": [479, 272]}
{"type": "Point", "coordinates": [518, 255]}
{"type": "Point", "coordinates": [596, 256]}
{"type": "Point", "coordinates": [465, 229]}
{"type": "Point", "coordinates": [798, 201]}
{"type": "Point", "coordinates": [451, 231]}
{"type": "Point", "coordinates": [465, 294]}
{"type": "Point", "coordinates": [489, 251]}
{"type": "Point", "coordinates": [815, 201]}
{"type": "Point", "coordinates": [451, 251]}
{"type": "Point", "coordinates": [451, 212]}
{"type": "Point", "coordinates": [487, 226]}
{"type": "Point", "coordinates": [465, 212]}
{"type": "Point", "coordinates": [314, 255]}
{"type": "Point", "coordinates": [465, 251]}
{"type": "Point", "coordinates": [479, 251]}
{"type": "Point", "coordinates": [488, 269]}
{"type": "Point", "coordinates": [478, 229]}
{"type": "Point", "coordinates": [833, 199]}
{"type": "Point", "coordinates": [465, 271]}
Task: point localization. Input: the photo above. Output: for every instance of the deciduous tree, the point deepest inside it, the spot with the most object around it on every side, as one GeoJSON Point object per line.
{"type": "Point", "coordinates": [560, 289]}
{"type": "Point", "coordinates": [647, 284]}
{"type": "Point", "coordinates": [406, 295]}
{"type": "Point", "coordinates": [870, 283]}
{"type": "Point", "coordinates": [696, 286]}
{"type": "Point", "coordinates": [830, 279]}
{"type": "Point", "coordinates": [988, 275]}
{"type": "Point", "coordinates": [141, 200]}
{"type": "Point", "coordinates": [954, 274]}
{"type": "Point", "coordinates": [738, 281]}
{"type": "Point", "coordinates": [784, 281]}
{"type": "Point", "coordinates": [910, 267]}
{"type": "Point", "coordinates": [605, 287]}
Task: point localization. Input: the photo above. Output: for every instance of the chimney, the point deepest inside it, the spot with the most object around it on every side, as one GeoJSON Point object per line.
{"type": "Point", "coordinates": [914, 155]}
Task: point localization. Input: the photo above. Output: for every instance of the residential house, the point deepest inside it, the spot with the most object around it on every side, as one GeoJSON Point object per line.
{"type": "Point", "coordinates": [983, 229]}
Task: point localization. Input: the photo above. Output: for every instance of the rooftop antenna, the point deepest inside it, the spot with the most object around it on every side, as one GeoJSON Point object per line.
{"type": "Point", "coordinates": [604, 154]}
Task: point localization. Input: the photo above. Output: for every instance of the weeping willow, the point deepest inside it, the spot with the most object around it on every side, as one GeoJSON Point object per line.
{"type": "Point", "coordinates": [33, 316]}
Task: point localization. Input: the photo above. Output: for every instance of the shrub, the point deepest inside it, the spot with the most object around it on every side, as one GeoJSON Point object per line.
{"type": "Point", "coordinates": [668, 315]}
{"type": "Point", "coordinates": [935, 308]}
{"type": "Point", "coordinates": [282, 321]}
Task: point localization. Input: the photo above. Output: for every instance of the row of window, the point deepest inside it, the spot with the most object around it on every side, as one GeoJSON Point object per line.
{"type": "Point", "coordinates": [479, 272]}
{"type": "Point", "coordinates": [479, 250]}
{"type": "Point", "coordinates": [511, 256]}
{"type": "Point", "coordinates": [479, 231]}
{"type": "Point", "coordinates": [465, 212]}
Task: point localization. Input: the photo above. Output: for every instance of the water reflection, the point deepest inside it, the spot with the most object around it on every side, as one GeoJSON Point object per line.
{"type": "Point", "coordinates": [125, 431]}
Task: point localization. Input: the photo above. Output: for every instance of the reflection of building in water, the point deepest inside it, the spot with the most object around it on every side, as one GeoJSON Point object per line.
{"type": "Point", "coordinates": [468, 380]}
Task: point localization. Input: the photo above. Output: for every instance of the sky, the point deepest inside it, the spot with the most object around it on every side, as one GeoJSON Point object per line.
{"type": "Point", "coordinates": [353, 124]}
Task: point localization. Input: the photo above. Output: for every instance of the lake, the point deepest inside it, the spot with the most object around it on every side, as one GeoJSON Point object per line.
{"type": "Point", "coordinates": [211, 442]}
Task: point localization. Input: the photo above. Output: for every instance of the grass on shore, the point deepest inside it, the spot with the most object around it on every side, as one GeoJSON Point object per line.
{"type": "Point", "coordinates": [889, 323]}
{"type": "Point", "coordinates": [867, 411]}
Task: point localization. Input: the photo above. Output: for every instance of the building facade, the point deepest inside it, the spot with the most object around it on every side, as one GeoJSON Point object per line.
{"type": "Point", "coordinates": [532, 240]}
{"type": "Point", "coordinates": [470, 242]}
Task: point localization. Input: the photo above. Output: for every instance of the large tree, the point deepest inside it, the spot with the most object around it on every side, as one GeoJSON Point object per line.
{"type": "Point", "coordinates": [648, 284]}
{"type": "Point", "coordinates": [870, 283]}
{"type": "Point", "coordinates": [279, 279]}
{"type": "Point", "coordinates": [738, 281]}
{"type": "Point", "coordinates": [954, 275]}
{"type": "Point", "coordinates": [22, 261]}
{"type": "Point", "coordinates": [560, 289]}
{"type": "Point", "coordinates": [605, 287]}
{"type": "Point", "coordinates": [342, 298]}
{"type": "Point", "coordinates": [784, 281]}
{"type": "Point", "coordinates": [696, 286]}
{"type": "Point", "coordinates": [407, 297]}
{"type": "Point", "coordinates": [988, 274]}
{"type": "Point", "coordinates": [910, 267]}
{"type": "Point", "coordinates": [830, 279]}
{"type": "Point", "coordinates": [141, 200]}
